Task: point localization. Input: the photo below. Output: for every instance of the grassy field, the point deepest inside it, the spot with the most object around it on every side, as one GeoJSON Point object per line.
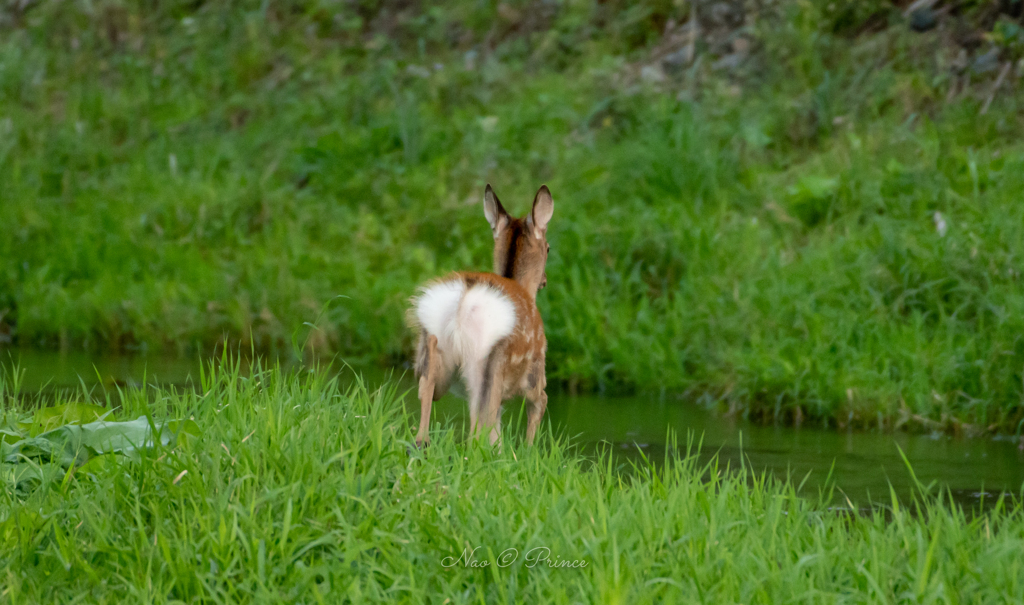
{"type": "Point", "coordinates": [818, 216]}
{"type": "Point", "coordinates": [290, 489]}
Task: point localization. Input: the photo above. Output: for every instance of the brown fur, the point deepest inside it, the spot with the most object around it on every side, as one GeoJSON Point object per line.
{"type": "Point", "coordinates": [515, 366]}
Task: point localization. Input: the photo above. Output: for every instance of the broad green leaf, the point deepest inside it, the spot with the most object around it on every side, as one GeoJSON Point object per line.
{"type": "Point", "coordinates": [30, 461]}
{"type": "Point", "coordinates": [28, 475]}
{"type": "Point", "coordinates": [121, 437]}
{"type": "Point", "coordinates": [7, 436]}
{"type": "Point", "coordinates": [44, 450]}
{"type": "Point", "coordinates": [103, 436]}
{"type": "Point", "coordinates": [50, 418]}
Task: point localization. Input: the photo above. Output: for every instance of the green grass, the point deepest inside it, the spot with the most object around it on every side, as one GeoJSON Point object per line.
{"type": "Point", "coordinates": [763, 237]}
{"type": "Point", "coordinates": [299, 490]}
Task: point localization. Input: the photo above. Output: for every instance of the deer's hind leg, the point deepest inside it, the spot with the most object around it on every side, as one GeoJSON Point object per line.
{"type": "Point", "coordinates": [536, 382]}
{"type": "Point", "coordinates": [434, 375]}
{"type": "Point", "coordinates": [486, 402]}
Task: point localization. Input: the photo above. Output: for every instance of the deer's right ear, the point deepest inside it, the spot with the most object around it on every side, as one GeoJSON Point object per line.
{"type": "Point", "coordinates": [494, 212]}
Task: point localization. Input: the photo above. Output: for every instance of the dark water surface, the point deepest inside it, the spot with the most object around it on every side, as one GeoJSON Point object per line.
{"type": "Point", "coordinates": [863, 465]}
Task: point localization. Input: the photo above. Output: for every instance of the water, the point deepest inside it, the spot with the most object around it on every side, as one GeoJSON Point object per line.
{"type": "Point", "coordinates": [862, 465]}
{"type": "Point", "coordinates": [47, 371]}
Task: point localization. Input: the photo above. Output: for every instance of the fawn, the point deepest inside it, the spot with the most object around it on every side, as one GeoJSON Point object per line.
{"type": "Point", "coordinates": [488, 325]}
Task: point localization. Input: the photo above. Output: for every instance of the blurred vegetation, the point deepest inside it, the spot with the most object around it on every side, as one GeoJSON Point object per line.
{"type": "Point", "coordinates": [786, 209]}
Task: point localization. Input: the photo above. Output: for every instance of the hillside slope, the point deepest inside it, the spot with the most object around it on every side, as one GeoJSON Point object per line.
{"type": "Point", "coordinates": [788, 209]}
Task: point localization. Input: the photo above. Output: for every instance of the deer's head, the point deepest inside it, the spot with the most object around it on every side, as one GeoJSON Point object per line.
{"type": "Point", "coordinates": [520, 244]}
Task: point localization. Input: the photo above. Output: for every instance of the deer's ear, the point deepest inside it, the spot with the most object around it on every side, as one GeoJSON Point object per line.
{"type": "Point", "coordinates": [543, 210]}
{"type": "Point", "coordinates": [494, 211]}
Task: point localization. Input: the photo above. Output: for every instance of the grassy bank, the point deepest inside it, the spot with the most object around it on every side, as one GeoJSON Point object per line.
{"type": "Point", "coordinates": [810, 217]}
{"type": "Point", "coordinates": [289, 488]}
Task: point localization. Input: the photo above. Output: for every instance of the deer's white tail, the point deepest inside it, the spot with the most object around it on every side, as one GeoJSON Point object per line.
{"type": "Point", "coordinates": [467, 322]}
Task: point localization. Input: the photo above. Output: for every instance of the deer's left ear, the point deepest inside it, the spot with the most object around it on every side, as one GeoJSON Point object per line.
{"type": "Point", "coordinates": [543, 209]}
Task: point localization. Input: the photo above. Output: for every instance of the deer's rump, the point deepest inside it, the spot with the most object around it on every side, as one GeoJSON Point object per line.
{"type": "Point", "coordinates": [467, 314]}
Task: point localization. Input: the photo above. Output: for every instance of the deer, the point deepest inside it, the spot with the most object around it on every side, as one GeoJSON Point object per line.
{"type": "Point", "coordinates": [487, 325]}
